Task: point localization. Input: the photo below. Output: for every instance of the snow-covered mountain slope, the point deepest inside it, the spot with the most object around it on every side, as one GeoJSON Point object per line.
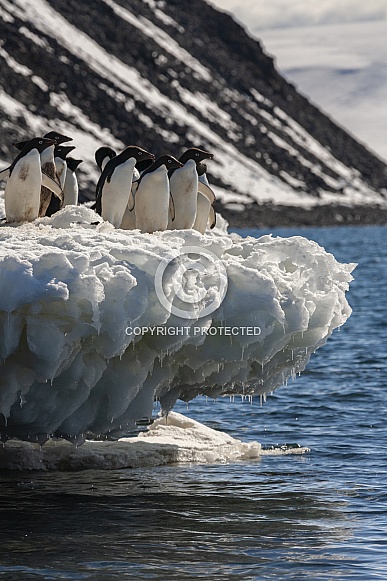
{"type": "Point", "coordinates": [167, 76]}
{"type": "Point", "coordinates": [343, 68]}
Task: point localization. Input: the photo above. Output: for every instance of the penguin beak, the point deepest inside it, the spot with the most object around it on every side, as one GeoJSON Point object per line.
{"type": "Point", "coordinates": [210, 156]}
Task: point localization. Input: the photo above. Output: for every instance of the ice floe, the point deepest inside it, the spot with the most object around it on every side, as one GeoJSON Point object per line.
{"type": "Point", "coordinates": [88, 340]}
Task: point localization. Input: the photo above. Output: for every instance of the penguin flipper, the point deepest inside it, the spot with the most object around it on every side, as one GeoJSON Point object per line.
{"type": "Point", "coordinates": [212, 218]}
{"type": "Point", "coordinates": [105, 175]}
{"type": "Point", "coordinates": [52, 185]}
{"type": "Point", "coordinates": [4, 173]}
{"type": "Point", "coordinates": [172, 208]}
{"type": "Point", "coordinates": [131, 200]}
{"type": "Point", "coordinates": [207, 191]}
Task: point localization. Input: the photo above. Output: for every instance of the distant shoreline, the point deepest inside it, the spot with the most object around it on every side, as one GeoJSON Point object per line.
{"type": "Point", "coordinates": [273, 216]}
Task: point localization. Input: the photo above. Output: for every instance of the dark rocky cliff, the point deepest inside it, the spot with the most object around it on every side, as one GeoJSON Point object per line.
{"type": "Point", "coordinates": [200, 80]}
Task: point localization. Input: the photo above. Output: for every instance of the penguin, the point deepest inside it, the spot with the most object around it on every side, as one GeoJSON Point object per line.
{"type": "Point", "coordinates": [205, 202]}
{"type": "Point", "coordinates": [152, 197]}
{"type": "Point", "coordinates": [103, 155]}
{"type": "Point", "coordinates": [48, 167]}
{"type": "Point", "coordinates": [114, 185]}
{"type": "Point", "coordinates": [70, 188]}
{"type": "Point", "coordinates": [129, 217]}
{"type": "Point", "coordinates": [60, 153]}
{"type": "Point", "coordinates": [25, 179]}
{"type": "Point", "coordinates": [184, 188]}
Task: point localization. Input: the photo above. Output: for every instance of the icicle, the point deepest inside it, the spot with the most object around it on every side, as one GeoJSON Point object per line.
{"type": "Point", "coordinates": [260, 399]}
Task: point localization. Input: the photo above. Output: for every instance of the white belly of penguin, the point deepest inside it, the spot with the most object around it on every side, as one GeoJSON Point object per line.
{"type": "Point", "coordinates": [184, 187]}
{"type": "Point", "coordinates": [129, 219]}
{"type": "Point", "coordinates": [70, 189]}
{"type": "Point", "coordinates": [115, 195]}
{"type": "Point", "coordinates": [22, 192]}
{"type": "Point", "coordinates": [203, 210]}
{"type": "Point", "coordinates": [152, 201]}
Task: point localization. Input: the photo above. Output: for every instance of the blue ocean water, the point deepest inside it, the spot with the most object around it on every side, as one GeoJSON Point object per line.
{"type": "Point", "coordinates": [318, 516]}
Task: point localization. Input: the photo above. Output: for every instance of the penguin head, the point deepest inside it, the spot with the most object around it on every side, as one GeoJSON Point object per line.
{"type": "Point", "coordinates": [39, 143]}
{"type": "Point", "coordinates": [196, 154]}
{"type": "Point", "coordinates": [20, 144]}
{"type": "Point", "coordinates": [72, 163]}
{"type": "Point", "coordinates": [143, 164]}
{"type": "Point", "coordinates": [102, 153]}
{"type": "Point", "coordinates": [169, 161]}
{"type": "Point", "coordinates": [201, 168]}
{"type": "Point", "coordinates": [57, 137]}
{"type": "Point", "coordinates": [63, 150]}
{"type": "Point", "coordinates": [138, 153]}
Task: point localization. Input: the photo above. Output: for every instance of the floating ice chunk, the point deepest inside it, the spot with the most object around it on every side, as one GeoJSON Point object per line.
{"type": "Point", "coordinates": [87, 345]}
{"type": "Point", "coordinates": [168, 440]}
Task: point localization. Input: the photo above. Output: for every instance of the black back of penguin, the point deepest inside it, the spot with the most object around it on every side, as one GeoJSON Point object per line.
{"type": "Point", "coordinates": [131, 151]}
{"type": "Point", "coordinates": [102, 153]}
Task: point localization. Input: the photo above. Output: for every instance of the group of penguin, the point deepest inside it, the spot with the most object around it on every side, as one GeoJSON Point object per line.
{"type": "Point", "coordinates": [41, 179]}
{"type": "Point", "coordinates": [134, 190]}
